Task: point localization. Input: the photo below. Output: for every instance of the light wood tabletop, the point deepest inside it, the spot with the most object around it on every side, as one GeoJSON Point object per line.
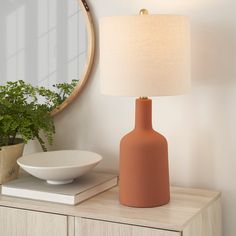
{"type": "Point", "coordinates": [185, 204]}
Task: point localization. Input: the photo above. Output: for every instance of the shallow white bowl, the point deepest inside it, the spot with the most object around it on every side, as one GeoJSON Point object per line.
{"type": "Point", "coordinates": [59, 167]}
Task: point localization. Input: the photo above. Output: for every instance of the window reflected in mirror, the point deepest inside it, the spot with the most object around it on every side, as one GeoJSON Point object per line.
{"type": "Point", "coordinates": [45, 43]}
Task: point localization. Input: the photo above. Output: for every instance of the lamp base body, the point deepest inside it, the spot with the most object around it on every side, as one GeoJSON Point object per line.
{"type": "Point", "coordinates": [144, 174]}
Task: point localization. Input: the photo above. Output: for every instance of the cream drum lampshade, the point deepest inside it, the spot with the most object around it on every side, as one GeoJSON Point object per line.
{"type": "Point", "coordinates": [144, 55]}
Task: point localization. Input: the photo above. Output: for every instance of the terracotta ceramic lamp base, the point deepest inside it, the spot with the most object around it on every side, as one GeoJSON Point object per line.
{"type": "Point", "coordinates": [144, 174]}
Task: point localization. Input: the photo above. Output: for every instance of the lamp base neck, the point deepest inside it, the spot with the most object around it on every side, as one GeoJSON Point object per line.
{"type": "Point", "coordinates": [143, 113]}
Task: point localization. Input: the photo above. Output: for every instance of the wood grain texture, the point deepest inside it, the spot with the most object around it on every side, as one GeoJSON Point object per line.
{"type": "Point", "coordinates": [71, 226]}
{"type": "Point", "coordinates": [87, 227]}
{"type": "Point", "coordinates": [207, 223]}
{"type": "Point", "coordinates": [13, 222]}
{"type": "Point", "coordinates": [184, 205]}
{"type": "Point", "coordinates": [16, 222]}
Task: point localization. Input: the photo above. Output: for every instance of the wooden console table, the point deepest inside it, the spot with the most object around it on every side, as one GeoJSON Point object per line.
{"type": "Point", "coordinates": [191, 212]}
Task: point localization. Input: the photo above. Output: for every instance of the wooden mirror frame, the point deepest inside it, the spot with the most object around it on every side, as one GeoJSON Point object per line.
{"type": "Point", "coordinates": [89, 62]}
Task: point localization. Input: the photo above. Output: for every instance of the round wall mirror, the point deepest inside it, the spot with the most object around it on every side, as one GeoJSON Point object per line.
{"type": "Point", "coordinates": [47, 43]}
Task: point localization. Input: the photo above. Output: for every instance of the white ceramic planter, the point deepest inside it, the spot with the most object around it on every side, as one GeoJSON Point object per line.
{"type": "Point", "coordinates": [9, 168]}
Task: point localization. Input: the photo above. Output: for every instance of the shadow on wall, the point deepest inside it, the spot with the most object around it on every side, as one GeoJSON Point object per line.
{"type": "Point", "coordinates": [213, 54]}
{"type": "Point", "coordinates": [213, 78]}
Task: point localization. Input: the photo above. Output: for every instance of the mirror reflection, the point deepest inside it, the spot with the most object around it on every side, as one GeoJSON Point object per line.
{"type": "Point", "coordinates": [43, 43]}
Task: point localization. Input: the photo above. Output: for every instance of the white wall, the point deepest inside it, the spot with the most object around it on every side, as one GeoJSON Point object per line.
{"type": "Point", "coordinates": [200, 127]}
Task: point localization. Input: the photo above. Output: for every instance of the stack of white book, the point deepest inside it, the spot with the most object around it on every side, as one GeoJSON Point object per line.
{"type": "Point", "coordinates": [81, 189]}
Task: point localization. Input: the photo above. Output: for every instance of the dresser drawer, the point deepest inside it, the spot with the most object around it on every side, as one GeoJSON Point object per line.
{"type": "Point", "coordinates": [17, 222]}
{"type": "Point", "coordinates": [88, 227]}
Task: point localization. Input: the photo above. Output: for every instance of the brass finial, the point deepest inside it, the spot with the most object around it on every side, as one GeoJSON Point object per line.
{"type": "Point", "coordinates": [143, 12]}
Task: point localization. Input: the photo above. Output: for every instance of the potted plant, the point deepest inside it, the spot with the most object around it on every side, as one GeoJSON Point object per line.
{"type": "Point", "coordinates": [24, 115]}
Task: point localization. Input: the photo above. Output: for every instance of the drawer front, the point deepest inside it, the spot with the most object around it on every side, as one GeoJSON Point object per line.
{"type": "Point", "coordinates": [88, 227]}
{"type": "Point", "coordinates": [17, 222]}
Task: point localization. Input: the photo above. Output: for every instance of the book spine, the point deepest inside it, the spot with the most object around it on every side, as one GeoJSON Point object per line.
{"type": "Point", "coordinates": [96, 190]}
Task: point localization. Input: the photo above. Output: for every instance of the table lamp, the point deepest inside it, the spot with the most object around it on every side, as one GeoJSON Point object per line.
{"type": "Point", "coordinates": [144, 55]}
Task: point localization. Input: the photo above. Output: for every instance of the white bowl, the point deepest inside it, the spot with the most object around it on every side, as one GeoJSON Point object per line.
{"type": "Point", "coordinates": [59, 167]}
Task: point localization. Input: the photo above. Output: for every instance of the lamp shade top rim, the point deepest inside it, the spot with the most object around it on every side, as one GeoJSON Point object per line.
{"type": "Point", "coordinates": [145, 15]}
